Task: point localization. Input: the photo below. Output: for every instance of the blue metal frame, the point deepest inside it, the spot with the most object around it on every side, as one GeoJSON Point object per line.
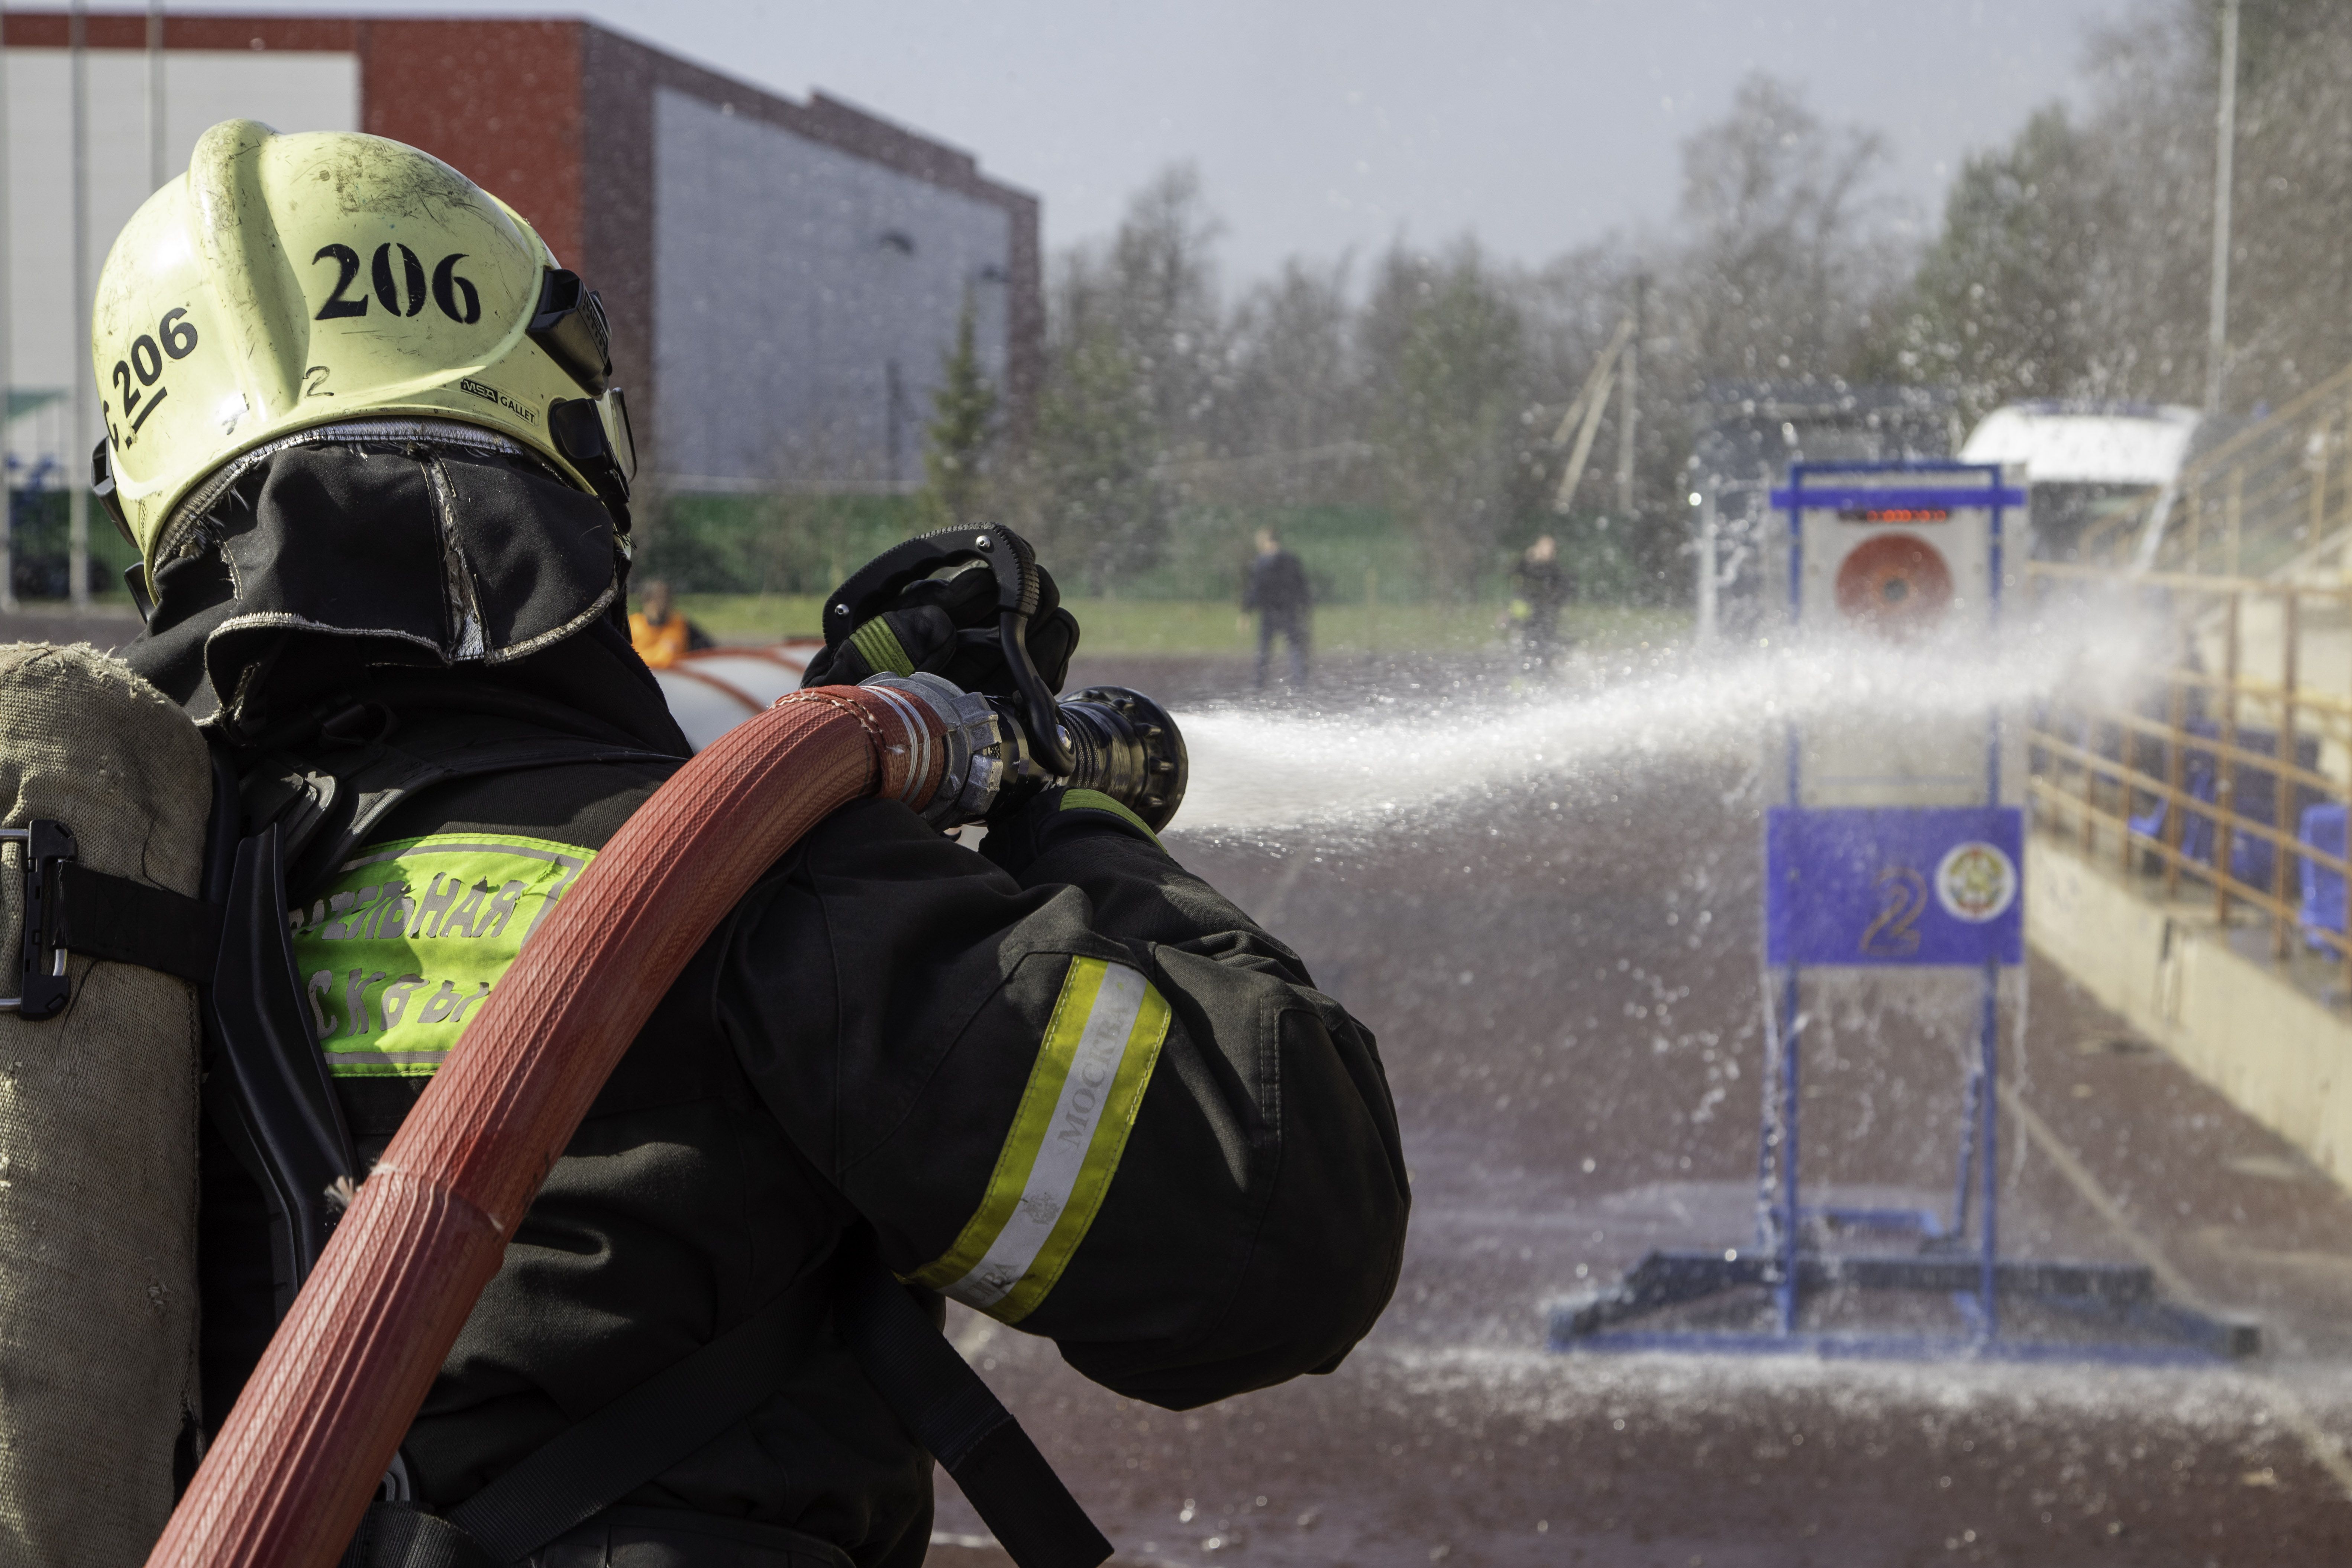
{"type": "Point", "coordinates": [2118, 1293]}
{"type": "Point", "coordinates": [1927, 498]}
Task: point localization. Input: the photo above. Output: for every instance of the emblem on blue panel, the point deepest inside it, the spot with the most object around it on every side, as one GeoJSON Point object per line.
{"type": "Point", "coordinates": [1894, 885]}
{"type": "Point", "coordinates": [1976, 883]}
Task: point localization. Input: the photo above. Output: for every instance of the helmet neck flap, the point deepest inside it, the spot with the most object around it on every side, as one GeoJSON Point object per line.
{"type": "Point", "coordinates": [347, 552]}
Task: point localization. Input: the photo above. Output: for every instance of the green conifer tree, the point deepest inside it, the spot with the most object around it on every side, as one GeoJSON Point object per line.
{"type": "Point", "coordinates": [962, 428]}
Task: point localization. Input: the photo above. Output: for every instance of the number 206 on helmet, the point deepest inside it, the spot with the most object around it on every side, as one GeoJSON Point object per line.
{"type": "Point", "coordinates": [291, 281]}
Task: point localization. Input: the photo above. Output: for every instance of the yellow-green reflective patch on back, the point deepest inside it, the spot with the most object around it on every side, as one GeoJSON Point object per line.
{"type": "Point", "coordinates": [410, 939]}
{"type": "Point", "coordinates": [1067, 1136]}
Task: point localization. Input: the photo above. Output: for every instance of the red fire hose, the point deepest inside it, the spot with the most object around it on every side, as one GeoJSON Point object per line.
{"type": "Point", "coordinates": [295, 1465]}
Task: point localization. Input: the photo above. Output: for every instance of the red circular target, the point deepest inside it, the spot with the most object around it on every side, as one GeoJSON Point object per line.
{"type": "Point", "coordinates": [1896, 584]}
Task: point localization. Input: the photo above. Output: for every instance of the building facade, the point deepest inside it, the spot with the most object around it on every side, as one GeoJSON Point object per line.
{"type": "Point", "coordinates": [783, 277]}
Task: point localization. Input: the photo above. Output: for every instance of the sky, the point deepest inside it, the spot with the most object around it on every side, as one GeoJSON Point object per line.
{"type": "Point", "coordinates": [1327, 126]}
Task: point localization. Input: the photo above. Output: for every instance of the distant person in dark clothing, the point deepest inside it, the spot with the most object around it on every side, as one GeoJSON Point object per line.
{"type": "Point", "coordinates": [1539, 587]}
{"type": "Point", "coordinates": [1277, 591]}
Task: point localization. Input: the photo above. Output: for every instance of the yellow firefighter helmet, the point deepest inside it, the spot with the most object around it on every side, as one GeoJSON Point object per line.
{"type": "Point", "coordinates": [293, 282]}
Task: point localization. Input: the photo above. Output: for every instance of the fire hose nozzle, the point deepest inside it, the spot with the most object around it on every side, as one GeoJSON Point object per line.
{"type": "Point", "coordinates": [1122, 742]}
{"type": "Point", "coordinates": [1127, 748]}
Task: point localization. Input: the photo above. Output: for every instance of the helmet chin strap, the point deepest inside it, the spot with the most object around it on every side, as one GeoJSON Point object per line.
{"type": "Point", "coordinates": [578, 425]}
{"type": "Point", "coordinates": [110, 497]}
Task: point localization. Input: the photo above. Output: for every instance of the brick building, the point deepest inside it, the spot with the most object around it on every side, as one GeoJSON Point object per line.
{"type": "Point", "coordinates": [782, 277]}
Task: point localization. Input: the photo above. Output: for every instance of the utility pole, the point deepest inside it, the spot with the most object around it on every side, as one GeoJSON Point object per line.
{"type": "Point", "coordinates": [1628, 407]}
{"type": "Point", "coordinates": [2225, 139]}
{"type": "Point", "coordinates": [1710, 599]}
{"type": "Point", "coordinates": [158, 169]}
{"type": "Point", "coordinates": [76, 454]}
{"type": "Point", "coordinates": [7, 373]}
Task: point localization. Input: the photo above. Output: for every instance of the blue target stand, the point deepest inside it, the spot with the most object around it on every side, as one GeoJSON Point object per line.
{"type": "Point", "coordinates": [1929, 876]}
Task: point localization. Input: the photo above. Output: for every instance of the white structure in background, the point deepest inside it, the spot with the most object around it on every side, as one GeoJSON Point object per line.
{"type": "Point", "coordinates": [2097, 468]}
{"type": "Point", "coordinates": [712, 692]}
{"type": "Point", "coordinates": [37, 445]}
{"type": "Point", "coordinates": [293, 91]}
{"type": "Point", "coordinates": [46, 354]}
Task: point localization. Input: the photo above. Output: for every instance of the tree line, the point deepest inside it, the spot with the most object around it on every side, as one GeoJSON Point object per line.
{"type": "Point", "coordinates": [1430, 382]}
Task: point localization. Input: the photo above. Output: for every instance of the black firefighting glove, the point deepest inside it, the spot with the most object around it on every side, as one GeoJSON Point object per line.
{"type": "Point", "coordinates": [948, 626]}
{"type": "Point", "coordinates": [1018, 835]}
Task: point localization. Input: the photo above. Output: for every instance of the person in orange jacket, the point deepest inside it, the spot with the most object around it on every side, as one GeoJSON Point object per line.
{"type": "Point", "coordinates": [660, 636]}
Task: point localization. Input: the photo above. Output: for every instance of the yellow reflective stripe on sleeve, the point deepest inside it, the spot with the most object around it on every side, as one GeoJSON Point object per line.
{"type": "Point", "coordinates": [1067, 1136]}
{"type": "Point", "coordinates": [1095, 800]}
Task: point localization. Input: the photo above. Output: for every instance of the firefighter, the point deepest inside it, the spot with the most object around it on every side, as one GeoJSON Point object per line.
{"type": "Point", "coordinates": [363, 441]}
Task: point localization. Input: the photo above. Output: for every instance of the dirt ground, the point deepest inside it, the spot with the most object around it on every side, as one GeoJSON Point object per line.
{"type": "Point", "coordinates": [1567, 1002]}
{"type": "Point", "coordinates": [103, 627]}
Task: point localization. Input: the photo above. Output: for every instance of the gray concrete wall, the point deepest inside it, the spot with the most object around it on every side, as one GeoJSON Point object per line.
{"type": "Point", "coordinates": [2249, 1031]}
{"type": "Point", "coordinates": [789, 278]}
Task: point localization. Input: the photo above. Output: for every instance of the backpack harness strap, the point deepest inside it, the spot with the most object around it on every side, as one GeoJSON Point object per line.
{"type": "Point", "coordinates": [403, 1535]}
{"type": "Point", "coordinates": [266, 1087]}
{"type": "Point", "coordinates": [71, 909]}
{"type": "Point", "coordinates": [931, 1388]}
{"type": "Point", "coordinates": [594, 1464]}
{"type": "Point", "coordinates": [326, 815]}
{"type": "Point", "coordinates": [598, 1461]}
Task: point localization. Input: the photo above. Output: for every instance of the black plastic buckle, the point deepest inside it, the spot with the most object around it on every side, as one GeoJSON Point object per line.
{"type": "Point", "coordinates": [44, 989]}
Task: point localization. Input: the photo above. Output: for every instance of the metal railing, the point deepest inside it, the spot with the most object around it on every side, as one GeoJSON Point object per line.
{"type": "Point", "coordinates": [2216, 753]}
{"type": "Point", "coordinates": [2273, 498]}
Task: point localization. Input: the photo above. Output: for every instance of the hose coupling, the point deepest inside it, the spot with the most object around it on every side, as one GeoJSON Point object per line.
{"type": "Point", "coordinates": [1121, 743]}
{"type": "Point", "coordinates": [983, 749]}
